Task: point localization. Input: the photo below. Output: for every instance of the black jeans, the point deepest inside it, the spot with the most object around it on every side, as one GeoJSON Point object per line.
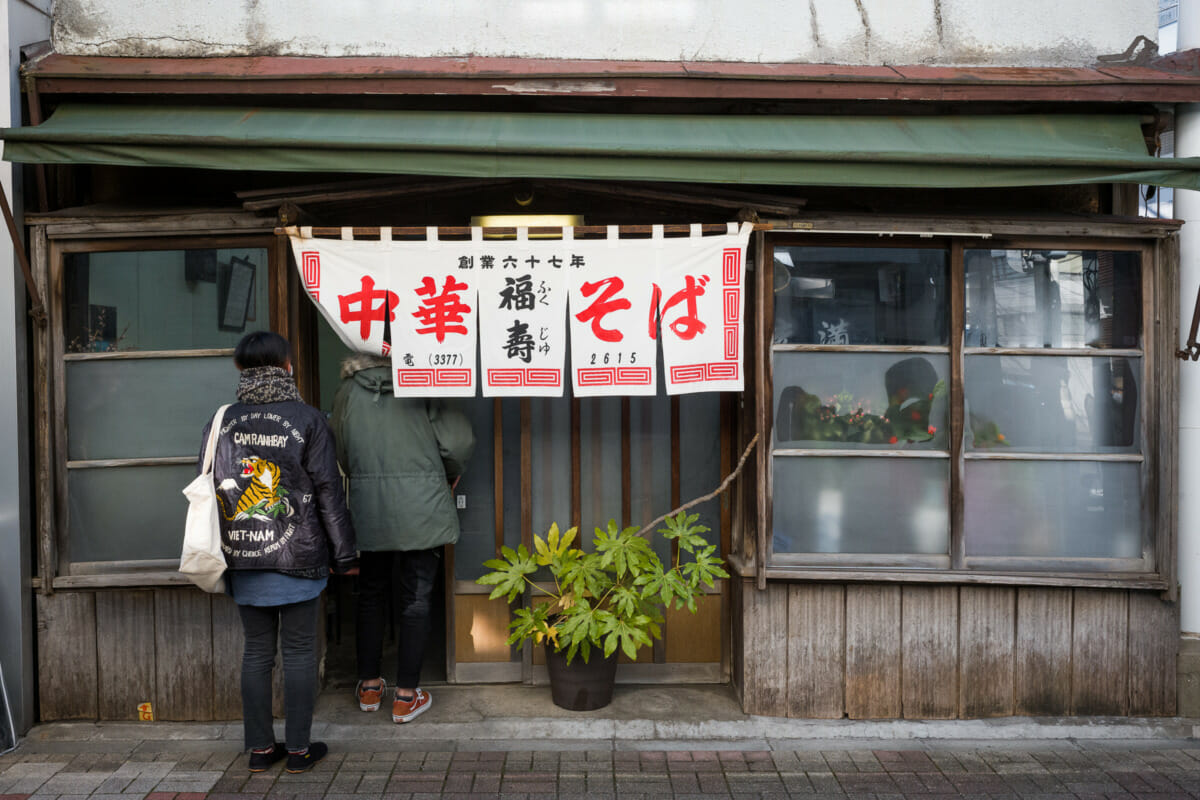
{"type": "Point", "coordinates": [296, 627]}
{"type": "Point", "coordinates": [408, 577]}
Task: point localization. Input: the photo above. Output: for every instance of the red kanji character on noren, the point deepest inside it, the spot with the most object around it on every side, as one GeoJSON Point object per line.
{"type": "Point", "coordinates": [602, 305]}
{"type": "Point", "coordinates": [689, 325]}
{"type": "Point", "coordinates": [441, 313]}
{"type": "Point", "coordinates": [366, 311]}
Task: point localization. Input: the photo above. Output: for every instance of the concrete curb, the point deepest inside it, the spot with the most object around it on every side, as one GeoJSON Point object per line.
{"type": "Point", "coordinates": [535, 729]}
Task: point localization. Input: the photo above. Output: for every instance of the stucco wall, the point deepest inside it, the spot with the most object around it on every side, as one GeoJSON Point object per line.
{"type": "Point", "coordinates": [1017, 32]}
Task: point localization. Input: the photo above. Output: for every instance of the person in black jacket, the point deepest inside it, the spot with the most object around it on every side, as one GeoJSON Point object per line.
{"type": "Point", "coordinates": [284, 523]}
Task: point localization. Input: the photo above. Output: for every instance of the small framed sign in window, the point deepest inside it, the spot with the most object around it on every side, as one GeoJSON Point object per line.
{"type": "Point", "coordinates": [237, 290]}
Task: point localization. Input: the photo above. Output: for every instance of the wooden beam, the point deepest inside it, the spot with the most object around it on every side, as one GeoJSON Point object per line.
{"type": "Point", "coordinates": [626, 458]}
{"type": "Point", "coordinates": [704, 195]}
{"type": "Point", "coordinates": [1165, 327]}
{"type": "Point", "coordinates": [526, 472]}
{"type": "Point", "coordinates": [498, 474]}
{"type": "Point", "coordinates": [266, 200]}
{"type": "Point", "coordinates": [44, 452]}
{"type": "Point", "coordinates": [676, 466]}
{"type": "Point", "coordinates": [764, 322]}
{"type": "Point", "coordinates": [524, 77]}
{"type": "Point", "coordinates": [956, 405]}
{"type": "Point", "coordinates": [576, 465]}
{"type": "Point", "coordinates": [464, 232]}
{"type": "Point", "coordinates": [34, 104]}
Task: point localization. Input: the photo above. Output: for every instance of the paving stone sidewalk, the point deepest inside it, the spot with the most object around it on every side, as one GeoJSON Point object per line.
{"type": "Point", "coordinates": [216, 771]}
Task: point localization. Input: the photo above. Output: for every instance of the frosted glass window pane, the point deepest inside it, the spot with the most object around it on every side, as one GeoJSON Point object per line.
{"type": "Point", "coordinates": [164, 299]}
{"type": "Point", "coordinates": [1053, 298]}
{"type": "Point", "coordinates": [550, 439]}
{"type": "Point", "coordinates": [650, 463]}
{"type": "Point", "coordinates": [1050, 509]}
{"type": "Point", "coordinates": [1046, 404]}
{"type": "Point", "coordinates": [861, 505]}
{"type": "Point", "coordinates": [700, 457]}
{"type": "Point", "coordinates": [152, 407]}
{"type": "Point", "coordinates": [510, 419]}
{"type": "Point", "coordinates": [476, 522]}
{"type": "Point", "coordinates": [861, 295]}
{"type": "Point", "coordinates": [331, 351]}
{"type": "Point", "coordinates": [127, 513]}
{"type": "Point", "coordinates": [600, 467]}
{"type": "Point", "coordinates": [860, 401]}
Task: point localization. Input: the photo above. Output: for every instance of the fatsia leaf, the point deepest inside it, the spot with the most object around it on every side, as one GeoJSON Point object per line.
{"type": "Point", "coordinates": [508, 574]}
{"type": "Point", "coordinates": [583, 575]}
{"type": "Point", "coordinates": [543, 549]}
{"type": "Point", "coordinates": [625, 600]}
{"type": "Point", "coordinates": [684, 529]}
{"type": "Point", "coordinates": [705, 568]}
{"type": "Point", "coordinates": [624, 551]}
{"type": "Point", "coordinates": [568, 538]}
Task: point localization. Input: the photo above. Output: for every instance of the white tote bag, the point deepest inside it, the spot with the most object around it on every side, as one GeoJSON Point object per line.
{"type": "Point", "coordinates": [202, 560]}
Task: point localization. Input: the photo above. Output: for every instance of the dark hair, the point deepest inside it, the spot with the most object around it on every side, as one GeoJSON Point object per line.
{"type": "Point", "coordinates": [262, 349]}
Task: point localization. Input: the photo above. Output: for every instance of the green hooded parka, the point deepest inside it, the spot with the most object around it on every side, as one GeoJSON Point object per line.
{"type": "Point", "coordinates": [400, 456]}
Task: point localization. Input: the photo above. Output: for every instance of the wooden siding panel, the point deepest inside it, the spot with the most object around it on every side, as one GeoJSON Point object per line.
{"type": "Point", "coordinates": [1100, 656]}
{"type": "Point", "coordinates": [125, 652]}
{"type": "Point", "coordinates": [873, 652]}
{"type": "Point", "coordinates": [986, 642]}
{"type": "Point", "coordinates": [183, 639]}
{"type": "Point", "coordinates": [929, 652]}
{"type": "Point", "coordinates": [816, 651]}
{"type": "Point", "coordinates": [1043, 652]}
{"type": "Point", "coordinates": [226, 658]}
{"type": "Point", "coordinates": [694, 638]}
{"type": "Point", "coordinates": [764, 620]}
{"type": "Point", "coordinates": [66, 635]}
{"type": "Point", "coordinates": [1153, 650]}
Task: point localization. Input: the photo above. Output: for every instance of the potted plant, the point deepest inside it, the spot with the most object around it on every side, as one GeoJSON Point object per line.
{"type": "Point", "coordinates": [605, 599]}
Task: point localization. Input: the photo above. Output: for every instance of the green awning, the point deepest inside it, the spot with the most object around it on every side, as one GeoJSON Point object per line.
{"type": "Point", "coordinates": [912, 151]}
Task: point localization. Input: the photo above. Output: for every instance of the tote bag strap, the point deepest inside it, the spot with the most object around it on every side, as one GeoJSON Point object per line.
{"type": "Point", "coordinates": [211, 446]}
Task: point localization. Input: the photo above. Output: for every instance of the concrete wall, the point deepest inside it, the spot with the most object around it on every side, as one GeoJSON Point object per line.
{"type": "Point", "coordinates": [1016, 33]}
{"type": "Point", "coordinates": [21, 23]}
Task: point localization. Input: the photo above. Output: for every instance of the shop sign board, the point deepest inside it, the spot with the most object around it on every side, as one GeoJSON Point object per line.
{"type": "Point", "coordinates": [431, 304]}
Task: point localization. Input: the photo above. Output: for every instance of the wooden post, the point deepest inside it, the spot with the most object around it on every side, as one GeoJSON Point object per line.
{"type": "Point", "coordinates": [38, 311]}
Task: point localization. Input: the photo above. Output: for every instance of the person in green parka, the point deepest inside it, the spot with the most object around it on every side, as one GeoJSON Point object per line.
{"type": "Point", "coordinates": [402, 457]}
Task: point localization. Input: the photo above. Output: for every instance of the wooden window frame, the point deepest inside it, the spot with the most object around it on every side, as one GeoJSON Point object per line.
{"type": "Point", "coordinates": [56, 569]}
{"type": "Point", "coordinates": [1158, 251]}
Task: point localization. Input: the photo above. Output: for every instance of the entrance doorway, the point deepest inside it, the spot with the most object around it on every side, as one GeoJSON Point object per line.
{"type": "Point", "coordinates": [574, 462]}
{"type": "Point", "coordinates": [341, 670]}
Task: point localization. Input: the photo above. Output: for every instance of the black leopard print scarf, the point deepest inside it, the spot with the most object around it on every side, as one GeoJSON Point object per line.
{"type": "Point", "coordinates": [259, 385]}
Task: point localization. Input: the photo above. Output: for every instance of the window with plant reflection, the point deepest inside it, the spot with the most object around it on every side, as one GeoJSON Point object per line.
{"type": "Point", "coordinates": [1051, 462]}
{"type": "Point", "coordinates": [148, 337]}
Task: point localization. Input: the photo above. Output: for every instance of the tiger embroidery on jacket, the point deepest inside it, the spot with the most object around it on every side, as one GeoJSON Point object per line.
{"type": "Point", "coordinates": [264, 498]}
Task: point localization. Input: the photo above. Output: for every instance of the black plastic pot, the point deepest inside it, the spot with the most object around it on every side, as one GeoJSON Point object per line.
{"type": "Point", "coordinates": [580, 685]}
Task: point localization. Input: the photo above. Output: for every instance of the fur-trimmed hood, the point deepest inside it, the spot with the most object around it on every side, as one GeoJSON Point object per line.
{"type": "Point", "coordinates": [357, 362]}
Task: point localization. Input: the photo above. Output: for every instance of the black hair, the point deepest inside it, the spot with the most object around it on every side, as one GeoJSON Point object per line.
{"type": "Point", "coordinates": [262, 349]}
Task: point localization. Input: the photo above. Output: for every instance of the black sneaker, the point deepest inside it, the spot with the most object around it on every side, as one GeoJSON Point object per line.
{"type": "Point", "coordinates": [303, 762]}
{"type": "Point", "coordinates": [261, 762]}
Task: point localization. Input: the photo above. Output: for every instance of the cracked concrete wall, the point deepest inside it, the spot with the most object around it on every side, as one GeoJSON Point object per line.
{"type": "Point", "coordinates": [947, 32]}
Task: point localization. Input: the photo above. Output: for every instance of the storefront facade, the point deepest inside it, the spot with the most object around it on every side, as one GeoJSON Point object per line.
{"type": "Point", "coordinates": [959, 356]}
